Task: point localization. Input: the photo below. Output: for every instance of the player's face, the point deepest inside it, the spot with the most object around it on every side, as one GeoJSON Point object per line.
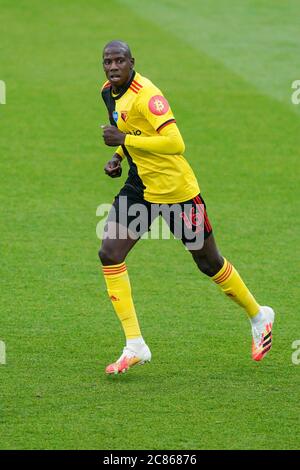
{"type": "Point", "coordinates": [117, 66]}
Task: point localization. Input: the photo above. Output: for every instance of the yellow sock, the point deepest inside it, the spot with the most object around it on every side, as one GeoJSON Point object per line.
{"type": "Point", "coordinates": [232, 285]}
{"type": "Point", "coordinates": [119, 291]}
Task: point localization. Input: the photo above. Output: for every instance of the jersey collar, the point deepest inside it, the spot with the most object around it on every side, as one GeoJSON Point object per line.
{"type": "Point", "coordinates": [124, 88]}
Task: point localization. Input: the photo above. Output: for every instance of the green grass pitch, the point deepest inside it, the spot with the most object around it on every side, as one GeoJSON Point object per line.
{"type": "Point", "coordinates": [227, 69]}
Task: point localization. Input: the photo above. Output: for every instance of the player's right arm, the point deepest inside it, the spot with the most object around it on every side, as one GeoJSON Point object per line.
{"type": "Point", "coordinates": [113, 167]}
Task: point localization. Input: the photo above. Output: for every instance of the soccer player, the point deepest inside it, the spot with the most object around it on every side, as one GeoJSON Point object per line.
{"type": "Point", "coordinates": [143, 128]}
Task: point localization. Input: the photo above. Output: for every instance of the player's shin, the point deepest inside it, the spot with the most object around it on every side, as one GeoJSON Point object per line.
{"type": "Point", "coordinates": [234, 287]}
{"type": "Point", "coordinates": [119, 291]}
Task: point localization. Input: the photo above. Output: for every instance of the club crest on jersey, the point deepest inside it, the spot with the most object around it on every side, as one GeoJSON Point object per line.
{"type": "Point", "coordinates": [158, 105]}
{"type": "Point", "coordinates": [115, 116]}
{"type": "Point", "coordinates": [124, 115]}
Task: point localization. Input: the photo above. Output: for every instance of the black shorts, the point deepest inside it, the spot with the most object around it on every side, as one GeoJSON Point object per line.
{"type": "Point", "coordinates": [188, 221]}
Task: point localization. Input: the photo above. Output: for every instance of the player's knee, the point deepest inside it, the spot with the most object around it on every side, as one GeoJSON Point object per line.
{"type": "Point", "coordinates": [206, 268]}
{"type": "Point", "coordinates": [209, 267]}
{"type": "Point", "coordinates": [105, 256]}
{"type": "Point", "coordinates": [109, 257]}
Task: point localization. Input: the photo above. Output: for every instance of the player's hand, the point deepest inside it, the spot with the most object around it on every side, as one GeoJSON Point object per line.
{"type": "Point", "coordinates": [112, 136]}
{"type": "Point", "coordinates": [113, 168]}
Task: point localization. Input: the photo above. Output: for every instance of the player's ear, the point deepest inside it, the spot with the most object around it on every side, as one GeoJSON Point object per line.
{"type": "Point", "coordinates": [132, 62]}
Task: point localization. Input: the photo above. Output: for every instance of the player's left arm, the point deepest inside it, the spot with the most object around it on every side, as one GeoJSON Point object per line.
{"type": "Point", "coordinates": [168, 142]}
{"type": "Point", "coordinates": [154, 107]}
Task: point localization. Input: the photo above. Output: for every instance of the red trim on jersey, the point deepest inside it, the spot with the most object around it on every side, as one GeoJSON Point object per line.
{"type": "Point", "coordinates": [132, 89]}
{"type": "Point", "coordinates": [135, 87]}
{"type": "Point", "coordinates": [138, 85]}
{"type": "Point", "coordinates": [170, 121]}
{"type": "Point", "coordinates": [106, 85]}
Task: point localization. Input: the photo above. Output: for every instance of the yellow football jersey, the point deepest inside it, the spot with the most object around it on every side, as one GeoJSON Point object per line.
{"type": "Point", "coordinates": [140, 109]}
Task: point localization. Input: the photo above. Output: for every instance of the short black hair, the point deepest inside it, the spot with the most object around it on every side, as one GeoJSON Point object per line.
{"type": "Point", "coordinates": [122, 45]}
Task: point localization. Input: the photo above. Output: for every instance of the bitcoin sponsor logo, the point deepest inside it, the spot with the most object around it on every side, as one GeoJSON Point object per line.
{"type": "Point", "coordinates": [158, 105]}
